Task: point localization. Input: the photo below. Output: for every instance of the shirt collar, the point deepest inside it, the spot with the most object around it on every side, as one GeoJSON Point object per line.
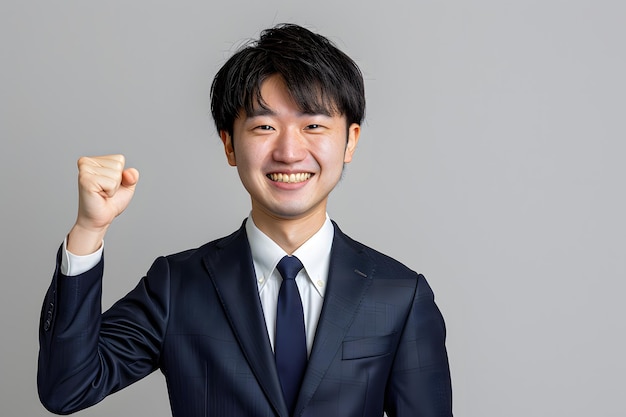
{"type": "Point", "coordinates": [314, 254]}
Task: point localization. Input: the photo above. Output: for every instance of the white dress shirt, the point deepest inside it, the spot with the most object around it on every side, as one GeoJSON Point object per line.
{"type": "Point", "coordinates": [311, 280]}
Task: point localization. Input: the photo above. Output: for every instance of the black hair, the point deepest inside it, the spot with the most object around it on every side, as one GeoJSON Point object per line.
{"type": "Point", "coordinates": [320, 78]}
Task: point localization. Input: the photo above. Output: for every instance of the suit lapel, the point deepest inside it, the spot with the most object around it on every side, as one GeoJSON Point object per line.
{"type": "Point", "coordinates": [232, 273]}
{"type": "Point", "coordinates": [349, 277]}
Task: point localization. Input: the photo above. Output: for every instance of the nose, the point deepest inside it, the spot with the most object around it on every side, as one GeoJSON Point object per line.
{"type": "Point", "coordinates": [289, 146]}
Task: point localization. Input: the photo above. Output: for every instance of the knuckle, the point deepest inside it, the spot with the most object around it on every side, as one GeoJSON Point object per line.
{"type": "Point", "coordinates": [82, 161]}
{"type": "Point", "coordinates": [116, 162]}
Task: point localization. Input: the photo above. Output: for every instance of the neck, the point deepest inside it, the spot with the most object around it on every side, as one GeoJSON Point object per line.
{"type": "Point", "coordinates": [289, 234]}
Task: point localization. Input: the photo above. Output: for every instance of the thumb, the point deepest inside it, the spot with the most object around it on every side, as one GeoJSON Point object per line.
{"type": "Point", "coordinates": [125, 193]}
{"type": "Point", "coordinates": [130, 176]}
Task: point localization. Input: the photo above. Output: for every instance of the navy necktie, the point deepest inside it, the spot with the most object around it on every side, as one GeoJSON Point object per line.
{"type": "Point", "coordinates": [290, 349]}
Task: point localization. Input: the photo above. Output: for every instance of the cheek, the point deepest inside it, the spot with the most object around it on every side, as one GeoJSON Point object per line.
{"type": "Point", "coordinates": [252, 150]}
{"type": "Point", "coordinates": [330, 152]}
{"type": "Point", "coordinates": [340, 156]}
{"type": "Point", "coordinates": [246, 156]}
{"type": "Point", "coordinates": [245, 168]}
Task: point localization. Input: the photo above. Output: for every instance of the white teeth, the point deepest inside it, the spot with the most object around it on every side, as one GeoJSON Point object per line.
{"type": "Point", "coordinates": [290, 178]}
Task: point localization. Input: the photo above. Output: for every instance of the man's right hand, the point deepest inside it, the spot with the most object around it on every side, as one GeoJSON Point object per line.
{"type": "Point", "coordinates": [105, 189]}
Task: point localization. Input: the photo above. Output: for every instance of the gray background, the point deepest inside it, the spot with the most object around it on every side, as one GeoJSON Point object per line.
{"type": "Point", "coordinates": [492, 161]}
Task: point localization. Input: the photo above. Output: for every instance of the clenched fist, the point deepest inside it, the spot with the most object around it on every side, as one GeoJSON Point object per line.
{"type": "Point", "coordinates": [105, 189]}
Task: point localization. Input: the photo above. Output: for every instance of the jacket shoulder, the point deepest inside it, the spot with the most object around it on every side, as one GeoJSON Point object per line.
{"type": "Point", "coordinates": [205, 249]}
{"type": "Point", "coordinates": [382, 261]}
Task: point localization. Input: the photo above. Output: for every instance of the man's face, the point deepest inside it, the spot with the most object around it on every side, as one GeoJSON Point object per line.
{"type": "Point", "coordinates": [288, 161]}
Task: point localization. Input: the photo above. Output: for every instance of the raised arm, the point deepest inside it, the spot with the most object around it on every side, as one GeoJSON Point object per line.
{"type": "Point", "coordinates": [84, 356]}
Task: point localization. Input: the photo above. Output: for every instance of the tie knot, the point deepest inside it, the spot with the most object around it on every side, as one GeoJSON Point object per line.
{"type": "Point", "coordinates": [289, 267]}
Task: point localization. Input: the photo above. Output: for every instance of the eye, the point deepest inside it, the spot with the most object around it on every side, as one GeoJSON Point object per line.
{"type": "Point", "coordinates": [313, 126]}
{"type": "Point", "coordinates": [265, 127]}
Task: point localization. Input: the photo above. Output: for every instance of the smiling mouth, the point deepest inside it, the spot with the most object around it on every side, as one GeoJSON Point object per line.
{"type": "Point", "coordinates": [290, 178]}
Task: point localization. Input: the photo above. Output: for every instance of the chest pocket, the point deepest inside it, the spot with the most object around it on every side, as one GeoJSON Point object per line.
{"type": "Point", "coordinates": [367, 347]}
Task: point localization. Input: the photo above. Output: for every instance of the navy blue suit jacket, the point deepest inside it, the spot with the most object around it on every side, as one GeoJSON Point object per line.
{"type": "Point", "coordinates": [197, 316]}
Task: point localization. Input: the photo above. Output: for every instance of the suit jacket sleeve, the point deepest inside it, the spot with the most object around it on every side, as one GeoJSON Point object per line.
{"type": "Point", "coordinates": [419, 383]}
{"type": "Point", "coordinates": [85, 355]}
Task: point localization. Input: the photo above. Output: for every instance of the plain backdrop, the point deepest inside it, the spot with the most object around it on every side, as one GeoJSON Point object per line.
{"type": "Point", "coordinates": [492, 160]}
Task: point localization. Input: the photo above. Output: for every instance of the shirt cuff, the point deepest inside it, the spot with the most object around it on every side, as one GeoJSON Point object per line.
{"type": "Point", "coordinates": [72, 265]}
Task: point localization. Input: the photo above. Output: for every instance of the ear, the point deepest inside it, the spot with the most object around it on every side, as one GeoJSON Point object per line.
{"type": "Point", "coordinates": [229, 149]}
{"type": "Point", "coordinates": [354, 131]}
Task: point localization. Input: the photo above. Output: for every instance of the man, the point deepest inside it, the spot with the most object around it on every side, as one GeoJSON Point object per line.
{"type": "Point", "coordinates": [287, 316]}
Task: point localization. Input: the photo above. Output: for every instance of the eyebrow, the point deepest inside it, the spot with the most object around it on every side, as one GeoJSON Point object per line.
{"type": "Point", "coordinates": [260, 111]}
{"type": "Point", "coordinates": [264, 111]}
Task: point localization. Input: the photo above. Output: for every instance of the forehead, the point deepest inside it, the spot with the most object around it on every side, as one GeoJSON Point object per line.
{"type": "Point", "coordinates": [274, 95]}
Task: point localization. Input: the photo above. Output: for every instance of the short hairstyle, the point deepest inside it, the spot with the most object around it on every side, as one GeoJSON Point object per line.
{"type": "Point", "coordinates": [320, 78]}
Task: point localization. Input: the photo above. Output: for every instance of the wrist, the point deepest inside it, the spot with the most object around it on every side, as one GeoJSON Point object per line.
{"type": "Point", "coordinates": [84, 241]}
